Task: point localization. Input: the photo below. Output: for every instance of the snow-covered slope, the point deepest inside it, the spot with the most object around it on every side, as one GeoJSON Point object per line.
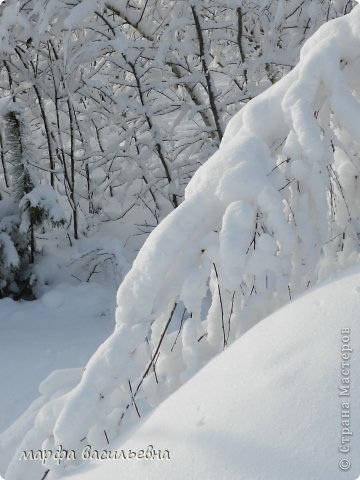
{"type": "Point", "coordinates": [268, 408]}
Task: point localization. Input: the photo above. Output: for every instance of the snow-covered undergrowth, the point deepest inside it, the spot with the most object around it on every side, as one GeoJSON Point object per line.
{"type": "Point", "coordinates": [273, 211]}
{"type": "Point", "coordinates": [267, 408]}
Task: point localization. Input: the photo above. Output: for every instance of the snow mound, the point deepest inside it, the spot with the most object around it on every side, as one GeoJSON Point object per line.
{"type": "Point", "coordinates": [267, 408]}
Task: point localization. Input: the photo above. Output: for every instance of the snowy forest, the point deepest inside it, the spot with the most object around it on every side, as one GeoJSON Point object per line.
{"type": "Point", "coordinates": [179, 239]}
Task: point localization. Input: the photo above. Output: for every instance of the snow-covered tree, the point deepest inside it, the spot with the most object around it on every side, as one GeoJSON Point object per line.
{"type": "Point", "coordinates": [269, 214]}
{"type": "Point", "coordinates": [128, 98]}
{"type": "Point", "coordinates": [28, 206]}
{"type": "Point", "coordinates": [13, 252]}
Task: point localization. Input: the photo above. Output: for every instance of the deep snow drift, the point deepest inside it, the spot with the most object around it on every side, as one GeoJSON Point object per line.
{"type": "Point", "coordinates": [268, 408]}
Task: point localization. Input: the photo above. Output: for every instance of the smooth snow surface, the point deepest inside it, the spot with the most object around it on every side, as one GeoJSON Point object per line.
{"type": "Point", "coordinates": [268, 408]}
{"type": "Point", "coordinates": [59, 330]}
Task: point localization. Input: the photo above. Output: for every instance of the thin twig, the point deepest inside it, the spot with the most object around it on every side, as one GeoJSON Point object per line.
{"type": "Point", "coordinates": [178, 333]}
{"type": "Point", "coordinates": [221, 305]}
{"type": "Point", "coordinates": [231, 312]}
{"type": "Point", "coordinates": [45, 474]}
{"type": "Point", "coordinates": [133, 400]}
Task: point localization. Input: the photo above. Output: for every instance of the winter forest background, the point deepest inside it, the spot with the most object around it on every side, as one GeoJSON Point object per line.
{"type": "Point", "coordinates": [107, 110]}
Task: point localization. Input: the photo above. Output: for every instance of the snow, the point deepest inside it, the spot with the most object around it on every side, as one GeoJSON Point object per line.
{"type": "Point", "coordinates": [44, 198]}
{"type": "Point", "coordinates": [59, 330]}
{"type": "Point", "coordinates": [8, 251]}
{"type": "Point", "coordinates": [79, 12]}
{"type": "Point", "coordinates": [251, 233]}
{"type": "Point", "coordinates": [233, 174]}
{"type": "Point", "coordinates": [267, 408]}
{"type": "Point", "coordinates": [235, 237]}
